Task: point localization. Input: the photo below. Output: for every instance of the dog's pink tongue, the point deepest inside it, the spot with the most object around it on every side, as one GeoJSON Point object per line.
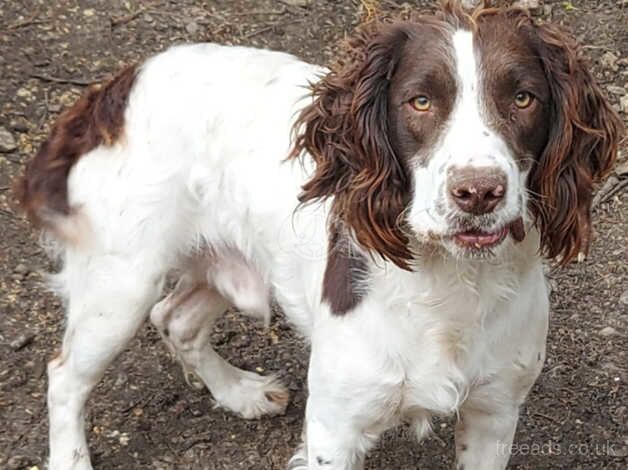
{"type": "Point", "coordinates": [478, 238]}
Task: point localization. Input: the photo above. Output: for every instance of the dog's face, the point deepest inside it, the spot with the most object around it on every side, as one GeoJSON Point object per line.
{"type": "Point", "coordinates": [468, 118]}
{"type": "Point", "coordinates": [458, 130]}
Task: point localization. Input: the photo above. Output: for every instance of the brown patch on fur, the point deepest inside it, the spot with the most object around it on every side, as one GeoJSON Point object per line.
{"type": "Point", "coordinates": [346, 132]}
{"type": "Point", "coordinates": [510, 65]}
{"type": "Point", "coordinates": [581, 149]}
{"type": "Point", "coordinates": [97, 118]}
{"type": "Point", "coordinates": [517, 230]}
{"type": "Point", "coordinates": [427, 68]}
{"type": "Point", "coordinates": [454, 13]}
{"type": "Point", "coordinates": [343, 274]}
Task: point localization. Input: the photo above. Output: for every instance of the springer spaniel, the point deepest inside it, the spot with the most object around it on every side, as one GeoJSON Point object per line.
{"type": "Point", "coordinates": [429, 173]}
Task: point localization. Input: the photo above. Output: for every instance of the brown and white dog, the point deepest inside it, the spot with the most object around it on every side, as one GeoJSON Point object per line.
{"type": "Point", "coordinates": [440, 161]}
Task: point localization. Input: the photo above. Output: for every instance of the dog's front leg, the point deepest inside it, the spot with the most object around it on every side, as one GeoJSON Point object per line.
{"type": "Point", "coordinates": [488, 418]}
{"type": "Point", "coordinates": [353, 395]}
{"type": "Point", "coordinates": [484, 438]}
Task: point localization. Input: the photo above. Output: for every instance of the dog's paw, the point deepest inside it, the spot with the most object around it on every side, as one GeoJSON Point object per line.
{"type": "Point", "coordinates": [254, 396]}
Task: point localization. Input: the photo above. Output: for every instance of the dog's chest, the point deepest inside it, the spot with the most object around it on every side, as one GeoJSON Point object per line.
{"type": "Point", "coordinates": [440, 365]}
{"type": "Point", "coordinates": [442, 343]}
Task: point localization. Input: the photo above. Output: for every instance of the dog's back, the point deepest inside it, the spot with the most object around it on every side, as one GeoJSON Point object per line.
{"type": "Point", "coordinates": [153, 132]}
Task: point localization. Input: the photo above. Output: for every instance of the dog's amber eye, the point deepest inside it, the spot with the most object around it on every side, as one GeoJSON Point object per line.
{"type": "Point", "coordinates": [421, 103]}
{"type": "Point", "coordinates": [523, 99]}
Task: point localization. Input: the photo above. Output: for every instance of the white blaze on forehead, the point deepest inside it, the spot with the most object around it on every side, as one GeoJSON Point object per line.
{"type": "Point", "coordinates": [470, 131]}
{"type": "Point", "coordinates": [465, 61]}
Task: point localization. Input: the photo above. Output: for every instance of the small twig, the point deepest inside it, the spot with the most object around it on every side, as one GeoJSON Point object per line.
{"type": "Point", "coordinates": [270, 28]}
{"type": "Point", "coordinates": [550, 418]}
{"type": "Point", "coordinates": [140, 403]}
{"type": "Point", "coordinates": [590, 46]}
{"type": "Point", "coordinates": [44, 115]}
{"type": "Point", "coordinates": [195, 442]}
{"type": "Point", "coordinates": [31, 20]}
{"type": "Point", "coordinates": [603, 191]}
{"type": "Point", "coordinates": [126, 19]}
{"type": "Point", "coordinates": [616, 189]}
{"type": "Point", "coordinates": [259, 31]}
{"type": "Point", "coordinates": [156, 11]}
{"type": "Point", "coordinates": [9, 214]}
{"type": "Point", "coordinates": [439, 439]}
{"type": "Point", "coordinates": [70, 81]}
{"type": "Point", "coordinates": [24, 24]}
{"type": "Point", "coordinates": [261, 12]}
{"type": "Point", "coordinates": [612, 186]}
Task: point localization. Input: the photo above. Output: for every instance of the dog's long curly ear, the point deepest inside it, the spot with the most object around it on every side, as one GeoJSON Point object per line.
{"type": "Point", "coordinates": [581, 149]}
{"type": "Point", "coordinates": [345, 131]}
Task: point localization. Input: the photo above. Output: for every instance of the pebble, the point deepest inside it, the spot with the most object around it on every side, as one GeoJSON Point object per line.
{"type": "Point", "coordinates": [623, 104]}
{"type": "Point", "coordinates": [19, 126]}
{"type": "Point", "coordinates": [191, 27]}
{"type": "Point", "coordinates": [609, 61]}
{"type": "Point", "coordinates": [17, 462]}
{"type": "Point", "coordinates": [242, 341]}
{"type": "Point", "coordinates": [297, 3]}
{"type": "Point", "coordinates": [7, 141]}
{"type": "Point", "coordinates": [22, 341]}
{"type": "Point", "coordinates": [528, 4]}
{"type": "Point", "coordinates": [21, 268]}
{"type": "Point", "coordinates": [618, 451]}
{"type": "Point", "coordinates": [121, 379]}
{"type": "Point", "coordinates": [624, 297]}
{"type": "Point", "coordinates": [609, 366]}
{"type": "Point", "coordinates": [23, 93]}
{"type": "Point", "coordinates": [608, 331]}
{"type": "Point", "coordinates": [616, 90]}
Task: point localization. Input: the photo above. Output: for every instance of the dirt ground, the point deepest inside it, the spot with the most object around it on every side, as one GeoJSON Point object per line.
{"type": "Point", "coordinates": [143, 415]}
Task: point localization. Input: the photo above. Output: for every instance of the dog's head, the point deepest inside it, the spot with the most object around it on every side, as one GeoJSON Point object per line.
{"type": "Point", "coordinates": [458, 129]}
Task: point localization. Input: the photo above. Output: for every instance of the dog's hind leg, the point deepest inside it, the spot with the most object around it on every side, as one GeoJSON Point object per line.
{"type": "Point", "coordinates": [185, 319]}
{"type": "Point", "coordinates": [108, 298]}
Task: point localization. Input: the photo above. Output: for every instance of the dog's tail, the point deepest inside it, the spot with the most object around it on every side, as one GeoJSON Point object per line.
{"type": "Point", "coordinates": [97, 118]}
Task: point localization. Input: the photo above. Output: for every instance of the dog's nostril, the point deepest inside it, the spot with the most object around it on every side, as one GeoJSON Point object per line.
{"type": "Point", "coordinates": [496, 193]}
{"type": "Point", "coordinates": [463, 193]}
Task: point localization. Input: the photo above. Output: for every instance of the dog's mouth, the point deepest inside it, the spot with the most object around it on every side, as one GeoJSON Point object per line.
{"type": "Point", "coordinates": [478, 239]}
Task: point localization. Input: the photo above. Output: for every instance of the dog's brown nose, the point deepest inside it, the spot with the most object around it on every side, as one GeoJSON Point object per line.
{"type": "Point", "coordinates": [477, 190]}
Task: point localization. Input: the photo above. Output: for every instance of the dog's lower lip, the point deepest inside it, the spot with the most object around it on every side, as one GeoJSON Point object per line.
{"type": "Point", "coordinates": [479, 239]}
